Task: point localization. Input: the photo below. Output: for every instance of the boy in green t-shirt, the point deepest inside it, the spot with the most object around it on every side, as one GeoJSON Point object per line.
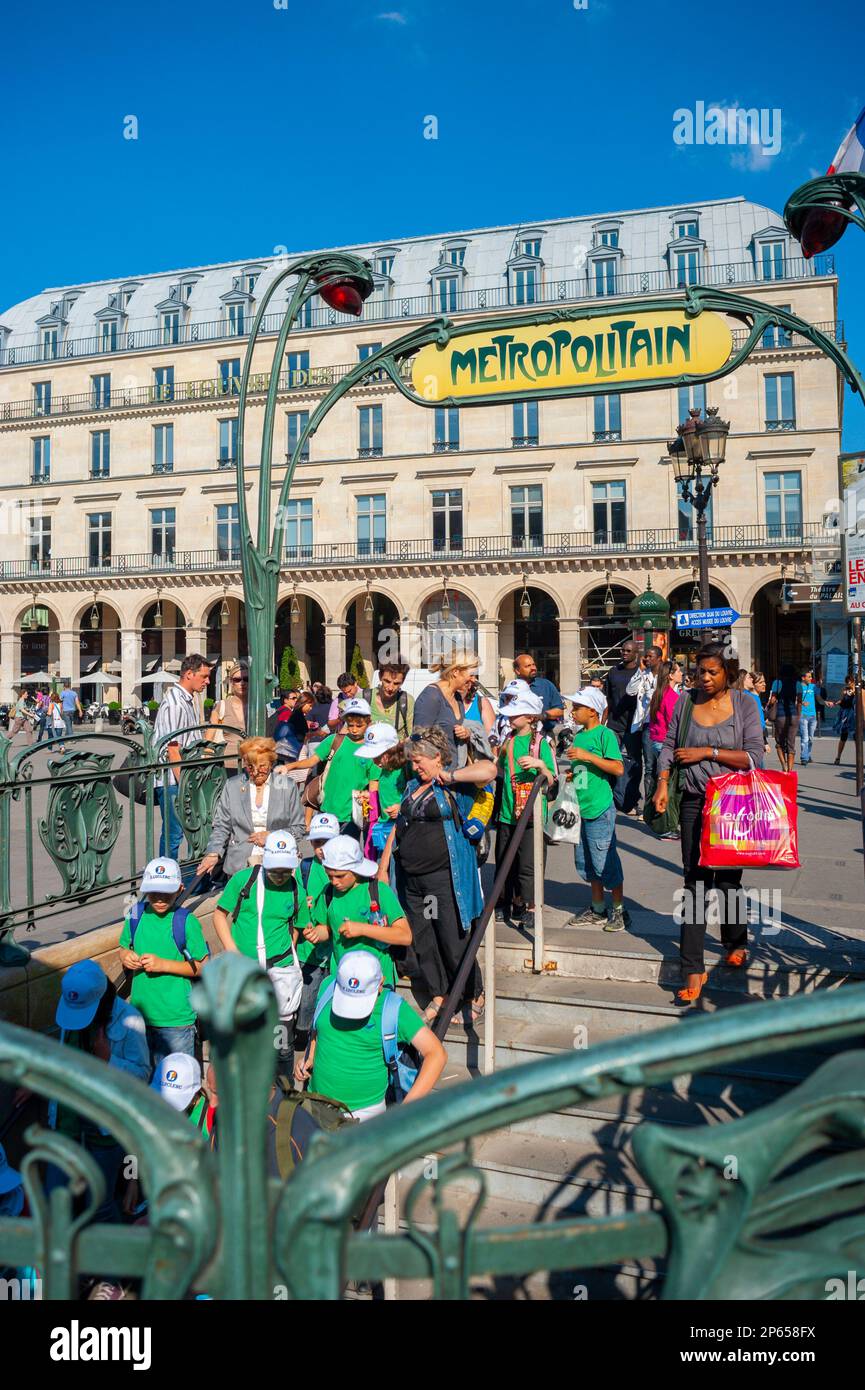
{"type": "Point", "coordinates": [343, 773]}
{"type": "Point", "coordinates": [525, 754]}
{"type": "Point", "coordinates": [161, 971]}
{"type": "Point", "coordinates": [360, 912]}
{"type": "Point", "coordinates": [346, 1055]}
{"type": "Point", "coordinates": [596, 749]}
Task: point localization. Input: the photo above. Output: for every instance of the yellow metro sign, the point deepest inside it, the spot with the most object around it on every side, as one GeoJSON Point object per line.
{"type": "Point", "coordinates": [590, 354]}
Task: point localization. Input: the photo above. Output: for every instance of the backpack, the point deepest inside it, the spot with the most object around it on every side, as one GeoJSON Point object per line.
{"type": "Point", "coordinates": [401, 1061]}
{"type": "Point", "coordinates": [178, 927]}
{"type": "Point", "coordinates": [294, 1119]}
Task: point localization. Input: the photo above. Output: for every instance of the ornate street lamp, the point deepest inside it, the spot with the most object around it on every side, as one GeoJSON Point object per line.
{"type": "Point", "coordinates": [368, 609]}
{"type": "Point", "coordinates": [697, 456]}
{"type": "Point", "coordinates": [609, 601]}
{"type": "Point", "coordinates": [94, 614]}
{"type": "Point", "coordinates": [294, 609]}
{"type": "Point", "coordinates": [157, 616]}
{"type": "Point", "coordinates": [818, 213]}
{"type": "Point", "coordinates": [224, 612]}
{"type": "Point", "coordinates": [446, 602]}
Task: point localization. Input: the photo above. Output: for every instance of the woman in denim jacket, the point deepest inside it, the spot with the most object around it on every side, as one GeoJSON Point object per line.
{"type": "Point", "coordinates": [434, 868]}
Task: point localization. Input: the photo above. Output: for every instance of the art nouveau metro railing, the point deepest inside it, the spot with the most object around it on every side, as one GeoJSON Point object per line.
{"type": "Point", "coordinates": [789, 1216]}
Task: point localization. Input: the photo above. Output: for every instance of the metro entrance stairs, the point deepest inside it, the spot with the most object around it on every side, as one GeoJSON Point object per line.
{"type": "Point", "coordinates": [578, 1160]}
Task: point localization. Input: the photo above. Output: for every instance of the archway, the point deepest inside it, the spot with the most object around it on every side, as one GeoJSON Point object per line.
{"type": "Point", "coordinates": [779, 638]}
{"type": "Point", "coordinates": [40, 640]}
{"type": "Point", "coordinates": [372, 624]}
{"type": "Point", "coordinates": [163, 643]}
{"type": "Point", "coordinates": [530, 626]}
{"type": "Point", "coordinates": [447, 626]}
{"type": "Point", "coordinates": [226, 641]}
{"type": "Point", "coordinates": [99, 652]}
{"type": "Point", "coordinates": [305, 633]}
{"type": "Point", "coordinates": [686, 642]}
{"type": "Point", "coordinates": [602, 633]}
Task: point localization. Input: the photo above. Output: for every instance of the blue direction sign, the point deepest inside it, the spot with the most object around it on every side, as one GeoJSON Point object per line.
{"type": "Point", "coordinates": [706, 617]}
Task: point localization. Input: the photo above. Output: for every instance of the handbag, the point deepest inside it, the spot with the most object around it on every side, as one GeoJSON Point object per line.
{"type": "Point", "coordinates": [287, 980]}
{"type": "Point", "coordinates": [750, 821]}
{"type": "Point", "coordinates": [521, 788]}
{"type": "Point", "coordinates": [564, 822]}
{"type": "Point", "coordinates": [661, 823]}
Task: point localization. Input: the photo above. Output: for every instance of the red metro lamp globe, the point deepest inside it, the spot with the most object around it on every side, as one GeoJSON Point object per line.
{"type": "Point", "coordinates": [346, 294]}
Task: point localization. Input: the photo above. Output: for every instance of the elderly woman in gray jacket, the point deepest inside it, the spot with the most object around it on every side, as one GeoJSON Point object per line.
{"type": "Point", "coordinates": [258, 801]}
{"type": "Point", "coordinates": [714, 729]}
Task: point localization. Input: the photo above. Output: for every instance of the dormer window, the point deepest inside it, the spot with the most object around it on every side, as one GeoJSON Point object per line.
{"type": "Point", "coordinates": [384, 263]}
{"type": "Point", "coordinates": [689, 227]}
{"type": "Point", "coordinates": [50, 343]}
{"type": "Point", "coordinates": [524, 284]}
{"type": "Point", "coordinates": [531, 247]}
{"type": "Point", "coordinates": [67, 301]}
{"type": "Point", "coordinates": [237, 305]}
{"type": "Point", "coordinates": [609, 238]}
{"type": "Point", "coordinates": [169, 323]}
{"type": "Point", "coordinates": [109, 322]}
{"type": "Point", "coordinates": [108, 335]}
{"type": "Point", "coordinates": [183, 290]}
{"type": "Point", "coordinates": [235, 320]}
{"type": "Point", "coordinates": [528, 245]}
{"type": "Point", "coordinates": [686, 250]}
{"type": "Point", "coordinates": [126, 291]}
{"type": "Point", "coordinates": [249, 278]}
{"type": "Point", "coordinates": [453, 252]}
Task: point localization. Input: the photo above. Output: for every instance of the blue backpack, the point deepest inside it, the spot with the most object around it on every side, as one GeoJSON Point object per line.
{"type": "Point", "coordinates": [401, 1061]}
{"type": "Point", "coordinates": [178, 927]}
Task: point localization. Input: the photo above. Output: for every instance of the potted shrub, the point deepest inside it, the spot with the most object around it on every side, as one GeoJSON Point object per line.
{"type": "Point", "coordinates": [358, 668]}
{"type": "Point", "coordinates": [208, 707]}
{"type": "Point", "coordinates": [289, 670]}
{"type": "Point", "coordinates": [114, 711]}
{"type": "Point", "coordinates": [152, 707]}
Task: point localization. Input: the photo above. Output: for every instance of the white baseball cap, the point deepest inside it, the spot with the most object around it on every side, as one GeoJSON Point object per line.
{"type": "Point", "coordinates": [161, 875]}
{"type": "Point", "coordinates": [591, 697]}
{"type": "Point", "coordinates": [355, 706]}
{"type": "Point", "coordinates": [516, 687]}
{"type": "Point", "coordinates": [377, 740]}
{"type": "Point", "coordinates": [323, 826]}
{"type": "Point", "coordinates": [83, 986]}
{"type": "Point", "coordinates": [524, 704]}
{"type": "Point", "coordinates": [178, 1079]}
{"type": "Point", "coordinates": [343, 853]}
{"type": "Point", "coordinates": [358, 981]}
{"type": "Point", "coordinates": [280, 851]}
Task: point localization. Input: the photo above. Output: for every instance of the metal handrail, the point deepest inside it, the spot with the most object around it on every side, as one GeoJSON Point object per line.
{"type": "Point", "coordinates": [648, 540]}
{"type": "Point", "coordinates": [553, 290]}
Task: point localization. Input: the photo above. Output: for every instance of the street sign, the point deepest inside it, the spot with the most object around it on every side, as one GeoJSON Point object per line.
{"type": "Point", "coordinates": [854, 571]}
{"type": "Point", "coordinates": [706, 617]}
{"type": "Point", "coordinates": [826, 592]}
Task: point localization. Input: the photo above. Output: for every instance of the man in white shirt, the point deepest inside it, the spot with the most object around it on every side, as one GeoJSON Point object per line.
{"type": "Point", "coordinates": [642, 684]}
{"type": "Point", "coordinates": [179, 714]}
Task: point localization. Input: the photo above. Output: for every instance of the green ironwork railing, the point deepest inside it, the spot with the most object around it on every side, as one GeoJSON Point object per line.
{"type": "Point", "coordinates": [92, 814]}
{"type": "Point", "coordinates": [790, 1216]}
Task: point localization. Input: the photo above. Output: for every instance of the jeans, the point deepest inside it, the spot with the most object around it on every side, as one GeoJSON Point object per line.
{"type": "Point", "coordinates": [651, 752]}
{"type": "Point", "coordinates": [169, 843]}
{"type": "Point", "coordinates": [312, 978]}
{"type": "Point", "coordinates": [163, 1041]}
{"type": "Point", "coordinates": [632, 745]}
{"type": "Point", "coordinates": [597, 856]}
{"type": "Point", "coordinates": [67, 724]}
{"type": "Point", "coordinates": [807, 729]}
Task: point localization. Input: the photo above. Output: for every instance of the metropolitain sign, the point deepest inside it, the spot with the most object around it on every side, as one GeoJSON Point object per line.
{"type": "Point", "coordinates": [570, 356]}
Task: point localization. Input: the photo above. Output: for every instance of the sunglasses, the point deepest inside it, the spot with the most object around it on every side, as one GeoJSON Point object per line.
{"type": "Point", "coordinates": [240, 680]}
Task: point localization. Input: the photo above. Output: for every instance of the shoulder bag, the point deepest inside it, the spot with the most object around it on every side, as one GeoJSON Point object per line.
{"type": "Point", "coordinates": [661, 823]}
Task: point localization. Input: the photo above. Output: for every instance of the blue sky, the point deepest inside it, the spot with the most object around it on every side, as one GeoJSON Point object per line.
{"type": "Point", "coordinates": [302, 125]}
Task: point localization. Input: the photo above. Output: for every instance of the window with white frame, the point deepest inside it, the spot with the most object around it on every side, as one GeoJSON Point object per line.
{"type": "Point", "coordinates": [163, 448]}
{"type": "Point", "coordinates": [446, 293]}
{"type": "Point", "coordinates": [446, 429]}
{"type": "Point", "coordinates": [39, 541]}
{"type": "Point", "coordinates": [687, 227]}
{"type": "Point", "coordinates": [227, 442]}
{"type": "Point", "coordinates": [108, 335]}
{"type": "Point", "coordinates": [773, 260]}
{"type": "Point", "coordinates": [780, 402]}
{"type": "Point", "coordinates": [235, 316]}
{"type": "Point", "coordinates": [775, 336]}
{"type": "Point", "coordinates": [297, 421]}
{"type": "Point", "coordinates": [527, 516]}
{"type": "Point", "coordinates": [370, 436]}
{"type": "Point", "coordinates": [50, 340]}
{"type": "Point", "coordinates": [163, 530]}
{"type": "Point", "coordinates": [782, 496]}
{"type": "Point", "coordinates": [100, 391]}
{"type": "Point", "coordinates": [227, 531]}
{"type": "Point", "coordinates": [690, 398]}
{"type": "Point", "coordinates": [229, 376]}
{"type": "Point", "coordinates": [40, 455]}
{"type": "Point", "coordinates": [297, 367]}
{"type": "Point", "coordinates": [686, 268]}
{"type": "Point", "coordinates": [99, 539]}
{"type": "Point", "coordinates": [447, 519]}
{"type": "Point", "coordinates": [100, 453]}
{"type": "Point", "coordinates": [605, 275]}
{"type": "Point", "coordinates": [524, 284]}
{"type": "Point", "coordinates": [372, 523]}
{"type": "Point", "coordinates": [163, 382]}
{"type": "Point", "coordinates": [607, 418]}
{"type": "Point", "coordinates": [42, 397]}
{"type": "Point", "coordinates": [171, 326]}
{"type": "Point", "coordinates": [525, 424]}
{"type": "Point", "coordinates": [297, 528]}
{"type": "Point", "coordinates": [609, 518]}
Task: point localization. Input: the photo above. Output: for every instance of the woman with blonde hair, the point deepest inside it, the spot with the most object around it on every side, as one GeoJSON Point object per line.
{"type": "Point", "coordinates": [249, 808]}
{"type": "Point", "coordinates": [232, 712]}
{"type": "Point", "coordinates": [442, 705]}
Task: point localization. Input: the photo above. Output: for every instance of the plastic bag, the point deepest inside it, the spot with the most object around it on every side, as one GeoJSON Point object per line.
{"type": "Point", "coordinates": [563, 819]}
{"type": "Point", "coordinates": [750, 820]}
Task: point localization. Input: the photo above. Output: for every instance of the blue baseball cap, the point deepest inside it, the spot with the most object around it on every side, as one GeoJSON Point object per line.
{"type": "Point", "coordinates": [83, 986]}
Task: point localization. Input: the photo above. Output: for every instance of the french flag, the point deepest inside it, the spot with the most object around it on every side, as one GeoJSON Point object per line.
{"type": "Point", "coordinates": [850, 158]}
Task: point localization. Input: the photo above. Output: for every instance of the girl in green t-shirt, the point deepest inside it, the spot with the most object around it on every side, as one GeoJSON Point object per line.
{"type": "Point", "coordinates": [597, 761]}
{"type": "Point", "coordinates": [352, 919]}
{"type": "Point", "coordinates": [525, 755]}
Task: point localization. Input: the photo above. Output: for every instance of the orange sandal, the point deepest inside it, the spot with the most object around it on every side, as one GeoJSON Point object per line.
{"type": "Point", "coordinates": [691, 993]}
{"type": "Point", "coordinates": [737, 958]}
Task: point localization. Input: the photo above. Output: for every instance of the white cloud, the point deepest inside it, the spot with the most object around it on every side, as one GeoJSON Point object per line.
{"type": "Point", "coordinates": [393, 17]}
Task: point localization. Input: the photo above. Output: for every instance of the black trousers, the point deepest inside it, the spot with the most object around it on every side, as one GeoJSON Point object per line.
{"type": "Point", "coordinates": [438, 943]}
{"type": "Point", "coordinates": [732, 907]}
{"type": "Point", "coordinates": [632, 745]}
{"type": "Point", "coordinates": [520, 882]}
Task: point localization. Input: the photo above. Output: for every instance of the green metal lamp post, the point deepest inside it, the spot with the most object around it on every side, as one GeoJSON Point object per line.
{"type": "Point", "coordinates": [343, 282]}
{"type": "Point", "coordinates": [651, 613]}
{"type": "Point", "coordinates": [697, 455]}
{"type": "Point", "coordinates": [817, 213]}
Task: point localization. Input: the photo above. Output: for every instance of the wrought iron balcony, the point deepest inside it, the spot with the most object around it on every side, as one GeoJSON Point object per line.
{"type": "Point", "coordinates": [445, 446]}
{"type": "Point", "coordinates": [524, 441]}
{"type": "Point", "coordinates": [776, 426]}
{"type": "Point", "coordinates": [607, 436]}
{"type": "Point", "coordinates": [374, 452]}
{"type": "Point", "coordinates": [40, 477]}
{"type": "Point", "coordinates": [401, 307]}
{"type": "Point", "coordinates": [557, 545]}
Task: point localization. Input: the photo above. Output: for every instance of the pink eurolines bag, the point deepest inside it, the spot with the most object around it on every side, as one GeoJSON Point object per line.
{"type": "Point", "coordinates": [750, 821]}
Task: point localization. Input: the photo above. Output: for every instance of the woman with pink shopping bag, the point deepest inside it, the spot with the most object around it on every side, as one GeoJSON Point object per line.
{"type": "Point", "coordinates": [714, 729]}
